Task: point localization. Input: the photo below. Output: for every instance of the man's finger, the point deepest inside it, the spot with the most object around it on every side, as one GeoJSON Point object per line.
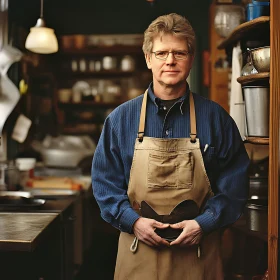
{"type": "Point", "coordinates": [180, 225]}
{"type": "Point", "coordinates": [160, 225]}
{"type": "Point", "coordinates": [179, 240]}
{"type": "Point", "coordinates": [160, 240]}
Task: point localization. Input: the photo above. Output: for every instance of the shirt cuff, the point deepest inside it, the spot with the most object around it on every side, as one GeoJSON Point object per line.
{"type": "Point", "coordinates": [206, 221]}
{"type": "Point", "coordinates": [127, 220]}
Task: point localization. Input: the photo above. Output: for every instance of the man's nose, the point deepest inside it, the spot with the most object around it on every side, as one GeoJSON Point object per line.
{"type": "Point", "coordinates": [170, 58]}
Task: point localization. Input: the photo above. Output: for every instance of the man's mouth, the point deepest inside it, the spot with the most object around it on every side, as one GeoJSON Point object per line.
{"type": "Point", "coordinates": [170, 72]}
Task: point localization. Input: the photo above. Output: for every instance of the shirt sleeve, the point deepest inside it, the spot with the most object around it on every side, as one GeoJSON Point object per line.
{"type": "Point", "coordinates": [108, 182]}
{"type": "Point", "coordinates": [231, 181]}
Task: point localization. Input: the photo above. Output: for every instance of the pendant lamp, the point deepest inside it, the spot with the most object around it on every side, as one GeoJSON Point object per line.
{"type": "Point", "coordinates": [41, 39]}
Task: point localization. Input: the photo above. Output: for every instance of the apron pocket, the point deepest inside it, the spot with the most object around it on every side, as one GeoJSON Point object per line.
{"type": "Point", "coordinates": [170, 171]}
{"type": "Point", "coordinates": [185, 170]}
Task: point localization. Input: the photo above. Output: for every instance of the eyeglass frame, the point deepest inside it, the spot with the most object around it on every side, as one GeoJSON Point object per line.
{"type": "Point", "coordinates": [167, 54]}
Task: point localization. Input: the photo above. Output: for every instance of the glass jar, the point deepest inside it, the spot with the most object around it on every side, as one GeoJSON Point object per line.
{"type": "Point", "coordinates": [227, 17]}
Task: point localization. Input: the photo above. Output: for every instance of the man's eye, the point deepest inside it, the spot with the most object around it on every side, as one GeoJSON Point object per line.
{"type": "Point", "coordinates": [179, 54]}
{"type": "Point", "coordinates": [161, 53]}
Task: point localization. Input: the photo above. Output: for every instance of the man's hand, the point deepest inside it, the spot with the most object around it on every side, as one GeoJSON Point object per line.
{"type": "Point", "coordinates": [144, 230]}
{"type": "Point", "coordinates": [191, 235]}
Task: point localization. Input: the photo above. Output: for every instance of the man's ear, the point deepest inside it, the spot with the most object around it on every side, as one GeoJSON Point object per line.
{"type": "Point", "coordinates": [148, 60]}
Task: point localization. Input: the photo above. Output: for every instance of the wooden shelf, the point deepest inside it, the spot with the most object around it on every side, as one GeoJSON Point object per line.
{"type": "Point", "coordinates": [87, 104]}
{"type": "Point", "coordinates": [259, 25]}
{"type": "Point", "coordinates": [113, 50]}
{"type": "Point", "coordinates": [90, 129]}
{"type": "Point", "coordinates": [241, 226]}
{"type": "Point", "coordinates": [257, 140]}
{"type": "Point", "coordinates": [93, 74]}
{"type": "Point", "coordinates": [259, 77]}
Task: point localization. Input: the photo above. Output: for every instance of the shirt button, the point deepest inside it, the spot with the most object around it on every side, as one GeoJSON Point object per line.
{"type": "Point", "coordinates": [167, 132]}
{"type": "Point", "coordinates": [164, 108]}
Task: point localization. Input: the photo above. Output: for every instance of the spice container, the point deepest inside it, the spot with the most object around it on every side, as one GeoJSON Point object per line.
{"type": "Point", "coordinates": [127, 63]}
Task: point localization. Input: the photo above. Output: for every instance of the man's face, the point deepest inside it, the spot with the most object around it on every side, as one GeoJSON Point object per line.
{"type": "Point", "coordinates": [170, 72]}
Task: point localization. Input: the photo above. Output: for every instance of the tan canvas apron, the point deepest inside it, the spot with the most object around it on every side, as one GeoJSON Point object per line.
{"type": "Point", "coordinates": [165, 172]}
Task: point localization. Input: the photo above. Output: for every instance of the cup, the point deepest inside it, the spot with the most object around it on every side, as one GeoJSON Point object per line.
{"type": "Point", "coordinates": [64, 95]}
{"type": "Point", "coordinates": [26, 169]}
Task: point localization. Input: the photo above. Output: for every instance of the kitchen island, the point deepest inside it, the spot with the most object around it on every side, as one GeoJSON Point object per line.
{"type": "Point", "coordinates": [39, 244]}
{"type": "Point", "coordinates": [30, 246]}
{"type": "Point", "coordinates": [25, 231]}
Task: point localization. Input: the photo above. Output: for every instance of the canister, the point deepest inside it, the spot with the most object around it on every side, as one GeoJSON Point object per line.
{"type": "Point", "coordinates": [257, 217]}
{"type": "Point", "coordinates": [257, 9]}
{"type": "Point", "coordinates": [257, 110]}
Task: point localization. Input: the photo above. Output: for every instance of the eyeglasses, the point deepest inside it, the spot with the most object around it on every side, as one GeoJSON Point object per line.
{"type": "Point", "coordinates": [179, 55]}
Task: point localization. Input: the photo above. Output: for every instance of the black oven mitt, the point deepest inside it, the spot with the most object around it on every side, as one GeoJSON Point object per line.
{"type": "Point", "coordinates": [185, 210]}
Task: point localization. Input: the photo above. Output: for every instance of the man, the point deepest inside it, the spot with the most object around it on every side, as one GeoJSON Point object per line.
{"type": "Point", "coordinates": [170, 168]}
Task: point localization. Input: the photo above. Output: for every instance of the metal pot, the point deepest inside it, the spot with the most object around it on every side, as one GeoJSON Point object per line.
{"type": "Point", "coordinates": [64, 150]}
{"type": "Point", "coordinates": [257, 110]}
{"type": "Point", "coordinates": [257, 215]}
{"type": "Point", "coordinates": [261, 58]}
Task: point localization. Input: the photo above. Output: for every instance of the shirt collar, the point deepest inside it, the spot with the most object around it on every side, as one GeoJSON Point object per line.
{"type": "Point", "coordinates": [156, 101]}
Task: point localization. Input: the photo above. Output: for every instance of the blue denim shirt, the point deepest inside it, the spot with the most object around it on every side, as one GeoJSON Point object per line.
{"type": "Point", "coordinates": [226, 160]}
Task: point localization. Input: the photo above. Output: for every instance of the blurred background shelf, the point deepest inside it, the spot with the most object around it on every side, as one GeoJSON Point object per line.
{"type": "Point", "coordinates": [252, 30]}
{"type": "Point", "coordinates": [87, 104]}
{"type": "Point", "coordinates": [94, 74]}
{"type": "Point", "coordinates": [113, 50]}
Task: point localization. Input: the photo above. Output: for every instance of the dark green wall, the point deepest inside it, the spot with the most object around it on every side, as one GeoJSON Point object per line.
{"type": "Point", "coordinates": [113, 17]}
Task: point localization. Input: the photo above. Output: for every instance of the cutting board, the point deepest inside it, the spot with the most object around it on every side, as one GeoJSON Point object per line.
{"type": "Point", "coordinates": [55, 183]}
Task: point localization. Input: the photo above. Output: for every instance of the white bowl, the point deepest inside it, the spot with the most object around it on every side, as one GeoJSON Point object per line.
{"type": "Point", "coordinates": [25, 164]}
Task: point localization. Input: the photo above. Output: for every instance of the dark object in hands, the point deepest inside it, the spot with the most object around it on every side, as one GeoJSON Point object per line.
{"type": "Point", "coordinates": [185, 210]}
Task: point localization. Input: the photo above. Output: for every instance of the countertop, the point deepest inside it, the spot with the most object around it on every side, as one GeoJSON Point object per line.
{"type": "Point", "coordinates": [24, 231]}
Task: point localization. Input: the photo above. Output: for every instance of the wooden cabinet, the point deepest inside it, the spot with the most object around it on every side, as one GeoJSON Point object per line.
{"type": "Point", "coordinates": [92, 81]}
{"type": "Point", "coordinates": [39, 258]}
{"type": "Point", "coordinates": [252, 29]}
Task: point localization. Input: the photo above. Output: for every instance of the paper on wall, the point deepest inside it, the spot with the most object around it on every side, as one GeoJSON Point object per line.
{"type": "Point", "coordinates": [21, 128]}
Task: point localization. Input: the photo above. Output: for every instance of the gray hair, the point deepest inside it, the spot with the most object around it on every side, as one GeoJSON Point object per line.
{"type": "Point", "coordinates": [173, 24]}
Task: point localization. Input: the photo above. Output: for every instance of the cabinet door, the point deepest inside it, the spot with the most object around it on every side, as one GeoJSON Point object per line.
{"type": "Point", "coordinates": [68, 243]}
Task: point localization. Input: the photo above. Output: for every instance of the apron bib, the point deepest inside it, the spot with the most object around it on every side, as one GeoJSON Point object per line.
{"type": "Point", "coordinates": [164, 173]}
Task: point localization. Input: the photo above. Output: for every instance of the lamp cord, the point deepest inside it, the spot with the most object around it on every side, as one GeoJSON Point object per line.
{"type": "Point", "coordinates": [41, 14]}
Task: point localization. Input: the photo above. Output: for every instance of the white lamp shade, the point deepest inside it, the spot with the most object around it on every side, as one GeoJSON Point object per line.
{"type": "Point", "coordinates": [41, 40]}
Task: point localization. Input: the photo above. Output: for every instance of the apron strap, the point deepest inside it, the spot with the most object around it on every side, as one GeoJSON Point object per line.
{"type": "Point", "coordinates": [192, 119]}
{"type": "Point", "coordinates": [143, 118]}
